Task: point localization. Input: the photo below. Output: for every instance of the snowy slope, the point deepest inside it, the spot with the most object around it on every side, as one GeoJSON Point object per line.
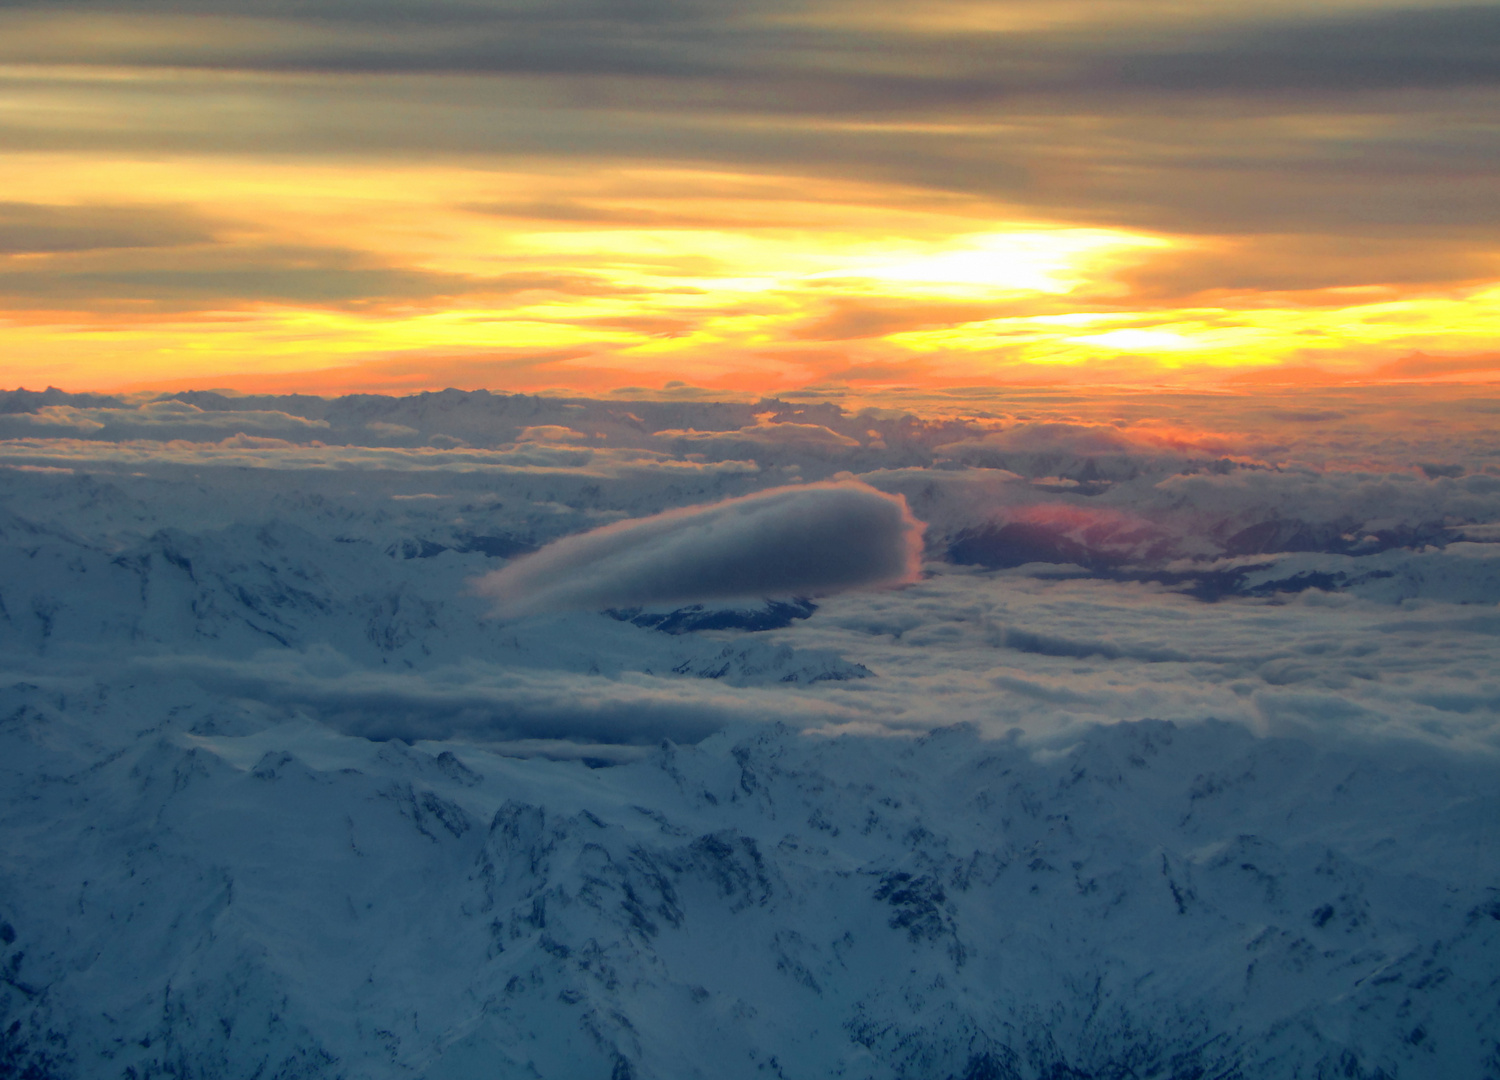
{"type": "Point", "coordinates": [1172, 901]}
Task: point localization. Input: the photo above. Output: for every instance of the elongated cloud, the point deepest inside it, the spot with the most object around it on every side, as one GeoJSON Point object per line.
{"type": "Point", "coordinates": [806, 540]}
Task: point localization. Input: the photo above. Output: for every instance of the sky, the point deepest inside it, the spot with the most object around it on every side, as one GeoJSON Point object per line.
{"type": "Point", "coordinates": [652, 196]}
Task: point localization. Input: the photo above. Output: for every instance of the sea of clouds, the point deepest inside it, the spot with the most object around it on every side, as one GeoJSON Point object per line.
{"type": "Point", "coordinates": [463, 565]}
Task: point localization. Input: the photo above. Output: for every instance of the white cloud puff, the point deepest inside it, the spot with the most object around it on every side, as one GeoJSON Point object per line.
{"type": "Point", "coordinates": [550, 434]}
{"type": "Point", "coordinates": [770, 435]}
{"type": "Point", "coordinates": [809, 539]}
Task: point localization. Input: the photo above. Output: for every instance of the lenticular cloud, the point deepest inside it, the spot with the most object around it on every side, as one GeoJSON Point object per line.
{"type": "Point", "coordinates": [806, 540]}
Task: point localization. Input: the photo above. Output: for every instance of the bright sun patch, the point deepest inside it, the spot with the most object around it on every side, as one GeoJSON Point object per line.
{"type": "Point", "coordinates": [1051, 261]}
{"type": "Point", "coordinates": [336, 277]}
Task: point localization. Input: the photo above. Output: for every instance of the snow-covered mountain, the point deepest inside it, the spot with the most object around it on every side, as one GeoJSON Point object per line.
{"type": "Point", "coordinates": [1156, 900]}
{"type": "Point", "coordinates": [1181, 760]}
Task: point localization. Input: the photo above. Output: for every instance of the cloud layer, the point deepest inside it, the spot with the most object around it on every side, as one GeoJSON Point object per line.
{"type": "Point", "coordinates": [807, 540]}
{"type": "Point", "coordinates": [733, 183]}
{"type": "Point", "coordinates": [1295, 560]}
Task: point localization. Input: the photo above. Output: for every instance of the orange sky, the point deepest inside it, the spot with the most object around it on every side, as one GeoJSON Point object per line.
{"type": "Point", "coordinates": [589, 197]}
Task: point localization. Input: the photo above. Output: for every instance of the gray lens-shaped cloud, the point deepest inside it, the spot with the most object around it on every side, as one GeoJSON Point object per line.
{"type": "Point", "coordinates": [810, 539]}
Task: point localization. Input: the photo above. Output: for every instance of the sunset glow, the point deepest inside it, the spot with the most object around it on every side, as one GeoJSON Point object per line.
{"type": "Point", "coordinates": [247, 201]}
